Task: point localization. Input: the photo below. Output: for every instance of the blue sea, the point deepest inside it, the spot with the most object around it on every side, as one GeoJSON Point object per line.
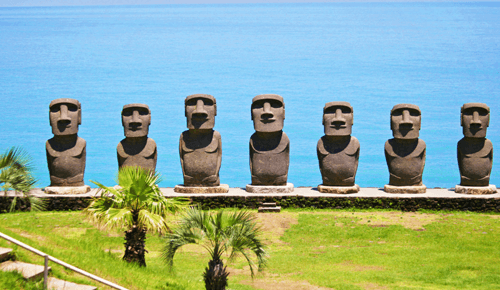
{"type": "Point", "coordinates": [373, 55]}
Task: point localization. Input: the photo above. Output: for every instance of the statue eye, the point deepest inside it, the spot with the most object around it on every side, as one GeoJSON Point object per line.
{"type": "Point", "coordinates": [72, 107]}
{"type": "Point", "coordinates": [143, 111]}
{"type": "Point", "coordinates": [397, 113]}
{"type": "Point", "coordinates": [258, 105]}
{"type": "Point", "coordinates": [208, 102]}
{"type": "Point", "coordinates": [275, 104]}
{"type": "Point", "coordinates": [55, 108]}
{"type": "Point", "coordinates": [414, 113]}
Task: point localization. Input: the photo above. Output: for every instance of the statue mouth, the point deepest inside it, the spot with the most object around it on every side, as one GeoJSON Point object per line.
{"type": "Point", "coordinates": [338, 127]}
{"type": "Point", "coordinates": [267, 121]}
{"type": "Point", "coordinates": [135, 128]}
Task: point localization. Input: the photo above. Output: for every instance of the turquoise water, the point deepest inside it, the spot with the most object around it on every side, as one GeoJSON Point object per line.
{"type": "Point", "coordinates": [373, 55]}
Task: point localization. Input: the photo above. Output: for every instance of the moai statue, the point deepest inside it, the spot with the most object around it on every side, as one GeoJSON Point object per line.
{"type": "Point", "coordinates": [338, 151]}
{"type": "Point", "coordinates": [66, 151]}
{"type": "Point", "coordinates": [474, 151]}
{"type": "Point", "coordinates": [269, 146]}
{"type": "Point", "coordinates": [405, 153]}
{"type": "Point", "coordinates": [136, 149]}
{"type": "Point", "coordinates": [200, 147]}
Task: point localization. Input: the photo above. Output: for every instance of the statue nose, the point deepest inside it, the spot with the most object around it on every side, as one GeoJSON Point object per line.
{"type": "Point", "coordinates": [135, 117]}
{"type": "Point", "coordinates": [200, 111]}
{"type": "Point", "coordinates": [63, 118]}
{"type": "Point", "coordinates": [267, 114]}
{"type": "Point", "coordinates": [406, 118]}
{"type": "Point", "coordinates": [338, 119]}
{"type": "Point", "coordinates": [475, 118]}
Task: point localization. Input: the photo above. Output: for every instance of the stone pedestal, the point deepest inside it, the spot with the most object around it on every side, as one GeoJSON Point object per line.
{"type": "Point", "coordinates": [338, 189]}
{"type": "Point", "coordinates": [223, 188]}
{"type": "Point", "coordinates": [476, 190]}
{"type": "Point", "coordinates": [405, 189]}
{"type": "Point", "coordinates": [270, 188]}
{"type": "Point", "coordinates": [66, 189]}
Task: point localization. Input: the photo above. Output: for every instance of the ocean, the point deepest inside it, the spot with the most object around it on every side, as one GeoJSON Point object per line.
{"type": "Point", "coordinates": [373, 55]}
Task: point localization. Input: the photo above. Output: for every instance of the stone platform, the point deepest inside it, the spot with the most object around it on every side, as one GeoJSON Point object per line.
{"type": "Point", "coordinates": [477, 190]}
{"type": "Point", "coordinates": [266, 189]}
{"type": "Point", "coordinates": [302, 197]}
{"type": "Point", "coordinates": [223, 188]}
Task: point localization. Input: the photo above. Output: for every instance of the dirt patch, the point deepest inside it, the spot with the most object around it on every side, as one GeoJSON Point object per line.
{"type": "Point", "coordinates": [372, 286]}
{"type": "Point", "coordinates": [359, 268]}
{"type": "Point", "coordinates": [274, 225]}
{"type": "Point", "coordinates": [69, 232]}
{"type": "Point", "coordinates": [27, 235]}
{"type": "Point", "coordinates": [270, 284]}
{"type": "Point", "coordinates": [410, 220]}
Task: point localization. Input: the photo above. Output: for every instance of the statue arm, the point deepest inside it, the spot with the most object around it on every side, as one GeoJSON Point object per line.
{"type": "Point", "coordinates": [181, 155]}
{"type": "Point", "coordinates": [459, 160]}
{"type": "Point", "coordinates": [219, 153]}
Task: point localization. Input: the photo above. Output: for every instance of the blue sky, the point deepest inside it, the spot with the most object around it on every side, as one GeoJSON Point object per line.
{"type": "Point", "coordinates": [25, 3]}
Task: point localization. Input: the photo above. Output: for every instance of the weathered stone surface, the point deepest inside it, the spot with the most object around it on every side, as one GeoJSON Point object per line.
{"type": "Point", "coordinates": [270, 188]}
{"type": "Point", "coordinates": [67, 189]}
{"type": "Point", "coordinates": [338, 151]}
{"type": "Point", "coordinates": [476, 190]}
{"type": "Point", "coordinates": [474, 151]}
{"type": "Point", "coordinates": [136, 149]}
{"type": "Point", "coordinates": [269, 209]}
{"type": "Point", "coordinates": [222, 188]}
{"type": "Point", "coordinates": [29, 271]}
{"type": "Point", "coordinates": [66, 152]}
{"type": "Point", "coordinates": [269, 145]}
{"type": "Point", "coordinates": [405, 153]}
{"type": "Point", "coordinates": [4, 254]}
{"type": "Point", "coordinates": [338, 189]}
{"type": "Point", "coordinates": [405, 189]}
{"type": "Point", "coordinates": [57, 284]}
{"type": "Point", "coordinates": [200, 147]}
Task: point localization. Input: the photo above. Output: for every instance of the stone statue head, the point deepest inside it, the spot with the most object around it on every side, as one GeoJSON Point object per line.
{"type": "Point", "coordinates": [405, 121]}
{"type": "Point", "coordinates": [268, 113]}
{"type": "Point", "coordinates": [200, 110]}
{"type": "Point", "coordinates": [338, 119]}
{"type": "Point", "coordinates": [136, 119]}
{"type": "Point", "coordinates": [65, 115]}
{"type": "Point", "coordinates": [475, 119]}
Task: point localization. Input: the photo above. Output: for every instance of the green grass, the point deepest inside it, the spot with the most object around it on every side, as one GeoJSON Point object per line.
{"type": "Point", "coordinates": [322, 248]}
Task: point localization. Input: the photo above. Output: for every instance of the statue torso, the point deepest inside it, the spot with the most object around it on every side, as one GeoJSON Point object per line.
{"type": "Point", "coordinates": [338, 164]}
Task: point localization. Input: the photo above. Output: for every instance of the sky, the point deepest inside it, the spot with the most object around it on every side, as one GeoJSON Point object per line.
{"type": "Point", "coordinates": [27, 3]}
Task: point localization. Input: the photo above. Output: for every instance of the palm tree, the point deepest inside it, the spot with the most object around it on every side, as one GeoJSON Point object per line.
{"type": "Point", "coordinates": [220, 233]}
{"type": "Point", "coordinates": [15, 174]}
{"type": "Point", "coordinates": [136, 205]}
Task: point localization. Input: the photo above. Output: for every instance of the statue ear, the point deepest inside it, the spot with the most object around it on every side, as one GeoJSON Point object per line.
{"type": "Point", "coordinates": [461, 119]}
{"type": "Point", "coordinates": [215, 108]}
{"type": "Point", "coordinates": [79, 116]}
{"type": "Point", "coordinates": [283, 113]}
{"type": "Point", "coordinates": [323, 121]}
{"type": "Point", "coordinates": [488, 122]}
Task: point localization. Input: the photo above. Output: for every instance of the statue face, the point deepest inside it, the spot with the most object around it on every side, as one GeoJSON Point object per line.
{"type": "Point", "coordinates": [268, 113]}
{"type": "Point", "coordinates": [405, 121]}
{"type": "Point", "coordinates": [338, 119]}
{"type": "Point", "coordinates": [475, 120]}
{"type": "Point", "coordinates": [65, 115]}
{"type": "Point", "coordinates": [136, 119]}
{"type": "Point", "coordinates": [200, 111]}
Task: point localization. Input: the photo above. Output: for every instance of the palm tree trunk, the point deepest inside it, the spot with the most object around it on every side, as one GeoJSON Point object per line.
{"type": "Point", "coordinates": [135, 239]}
{"type": "Point", "coordinates": [215, 275]}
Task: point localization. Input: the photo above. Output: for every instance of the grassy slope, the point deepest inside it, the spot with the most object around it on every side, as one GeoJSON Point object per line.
{"type": "Point", "coordinates": [329, 249]}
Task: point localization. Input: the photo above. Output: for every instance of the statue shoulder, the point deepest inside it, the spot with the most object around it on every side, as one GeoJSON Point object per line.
{"type": "Point", "coordinates": [389, 150]}
{"type": "Point", "coordinates": [214, 144]}
{"type": "Point", "coordinates": [353, 146]}
{"type": "Point", "coordinates": [321, 147]}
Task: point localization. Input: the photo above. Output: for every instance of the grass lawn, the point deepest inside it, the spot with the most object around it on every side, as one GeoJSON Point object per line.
{"type": "Point", "coordinates": [307, 250]}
